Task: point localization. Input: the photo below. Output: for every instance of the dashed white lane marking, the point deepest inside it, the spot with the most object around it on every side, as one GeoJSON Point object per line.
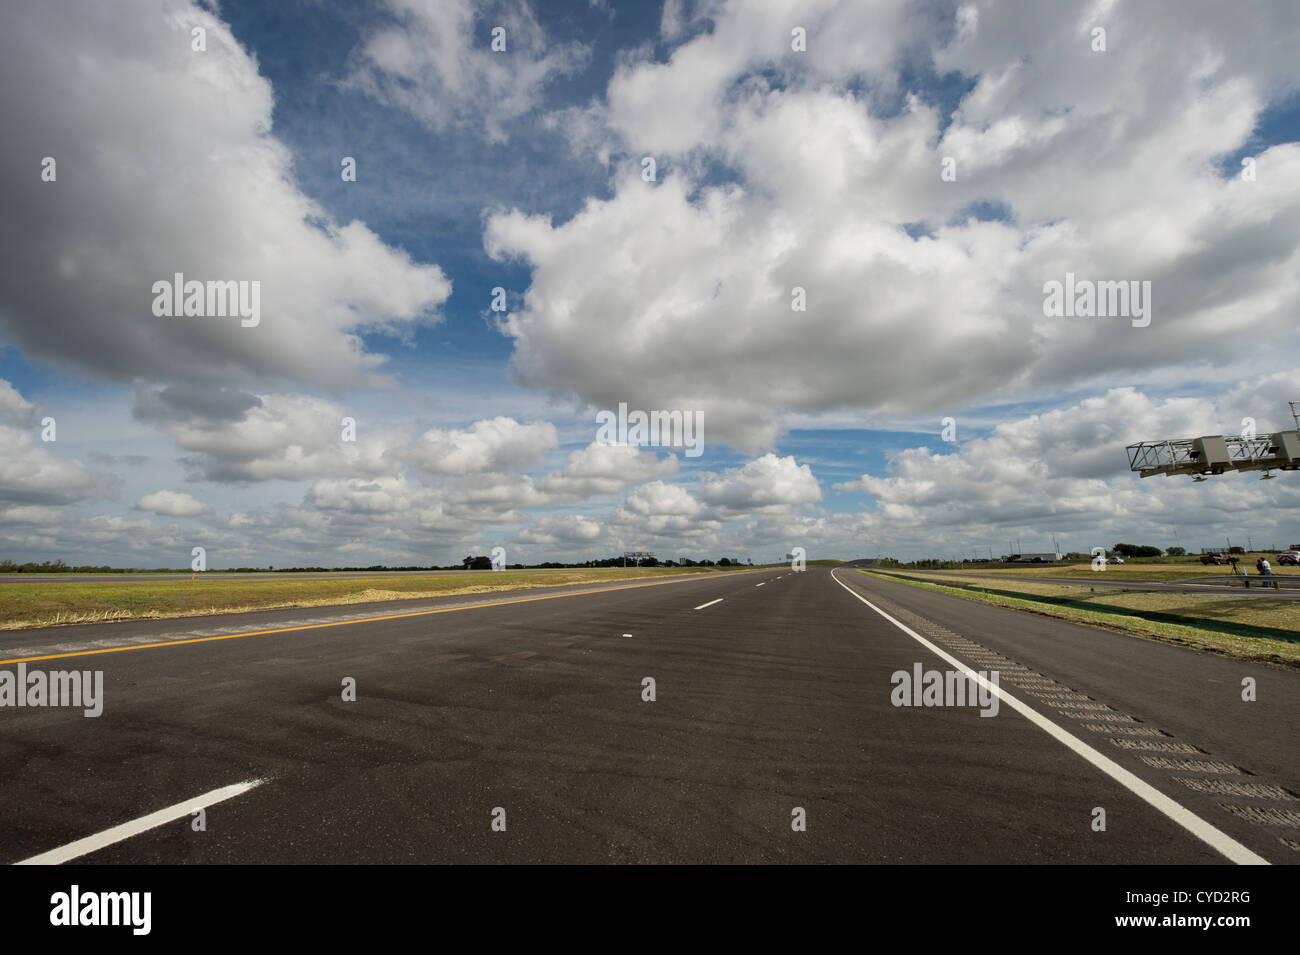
{"type": "Point", "coordinates": [760, 585]}
{"type": "Point", "coordinates": [709, 604]}
{"type": "Point", "coordinates": [1216, 838]}
{"type": "Point", "coordinates": [126, 830]}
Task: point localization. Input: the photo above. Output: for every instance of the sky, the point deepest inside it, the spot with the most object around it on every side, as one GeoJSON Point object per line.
{"type": "Point", "coordinates": [824, 231]}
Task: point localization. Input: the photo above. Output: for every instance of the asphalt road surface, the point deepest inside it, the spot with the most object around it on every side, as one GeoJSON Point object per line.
{"type": "Point", "coordinates": [772, 706]}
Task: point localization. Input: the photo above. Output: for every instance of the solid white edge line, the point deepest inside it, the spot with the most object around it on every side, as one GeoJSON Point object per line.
{"type": "Point", "coordinates": [709, 604]}
{"type": "Point", "coordinates": [126, 830]}
{"type": "Point", "coordinates": [1216, 838]}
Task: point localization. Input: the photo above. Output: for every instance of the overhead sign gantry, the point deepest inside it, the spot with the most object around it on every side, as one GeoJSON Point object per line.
{"type": "Point", "coordinates": [1215, 454]}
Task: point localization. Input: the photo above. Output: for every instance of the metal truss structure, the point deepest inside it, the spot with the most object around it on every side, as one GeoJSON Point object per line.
{"type": "Point", "coordinates": [1215, 454]}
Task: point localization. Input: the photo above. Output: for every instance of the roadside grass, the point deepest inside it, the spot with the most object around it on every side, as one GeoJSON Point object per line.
{"type": "Point", "coordinates": [1245, 628]}
{"type": "Point", "coordinates": [1128, 571]}
{"type": "Point", "coordinates": [48, 604]}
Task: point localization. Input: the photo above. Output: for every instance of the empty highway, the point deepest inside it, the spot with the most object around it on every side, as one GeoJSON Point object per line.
{"type": "Point", "coordinates": [520, 727]}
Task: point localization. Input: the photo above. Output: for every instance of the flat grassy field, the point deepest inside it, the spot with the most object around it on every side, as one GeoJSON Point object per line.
{"type": "Point", "coordinates": [47, 604]}
{"type": "Point", "coordinates": [1247, 628]}
{"type": "Point", "coordinates": [1126, 571]}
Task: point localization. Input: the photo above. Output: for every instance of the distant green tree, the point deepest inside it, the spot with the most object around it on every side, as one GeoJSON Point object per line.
{"type": "Point", "coordinates": [1135, 550]}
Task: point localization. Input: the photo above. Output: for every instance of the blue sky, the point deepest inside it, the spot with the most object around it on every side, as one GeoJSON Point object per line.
{"type": "Point", "coordinates": [776, 168]}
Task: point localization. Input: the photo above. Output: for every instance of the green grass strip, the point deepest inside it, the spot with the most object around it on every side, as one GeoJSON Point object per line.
{"type": "Point", "coordinates": [1152, 616]}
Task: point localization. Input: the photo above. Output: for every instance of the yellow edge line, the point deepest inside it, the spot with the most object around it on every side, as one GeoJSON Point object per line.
{"type": "Point", "coordinates": [343, 623]}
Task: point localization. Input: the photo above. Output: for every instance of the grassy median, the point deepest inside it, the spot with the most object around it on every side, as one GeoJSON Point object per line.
{"type": "Point", "coordinates": [1247, 628]}
{"type": "Point", "coordinates": [1163, 570]}
{"type": "Point", "coordinates": [48, 604]}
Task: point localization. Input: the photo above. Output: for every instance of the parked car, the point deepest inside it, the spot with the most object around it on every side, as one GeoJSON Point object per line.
{"type": "Point", "coordinates": [1212, 559]}
{"type": "Point", "coordinates": [1288, 558]}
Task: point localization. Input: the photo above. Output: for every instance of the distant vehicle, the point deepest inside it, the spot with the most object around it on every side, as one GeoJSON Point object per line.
{"type": "Point", "coordinates": [1117, 560]}
{"type": "Point", "coordinates": [1043, 558]}
{"type": "Point", "coordinates": [1288, 558]}
{"type": "Point", "coordinates": [1212, 559]}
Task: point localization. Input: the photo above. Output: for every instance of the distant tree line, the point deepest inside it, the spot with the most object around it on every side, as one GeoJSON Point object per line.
{"type": "Point", "coordinates": [485, 563]}
{"type": "Point", "coordinates": [1135, 550]}
{"type": "Point", "coordinates": [469, 563]}
{"type": "Point", "coordinates": [48, 567]}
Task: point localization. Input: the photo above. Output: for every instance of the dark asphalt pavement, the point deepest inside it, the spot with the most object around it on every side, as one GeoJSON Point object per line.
{"type": "Point", "coordinates": [776, 699]}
